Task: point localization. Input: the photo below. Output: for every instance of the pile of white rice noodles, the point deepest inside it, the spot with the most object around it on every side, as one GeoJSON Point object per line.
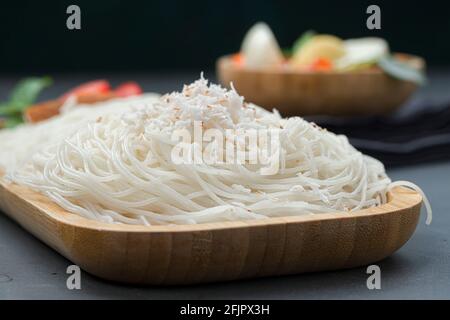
{"type": "Point", "coordinates": [112, 162]}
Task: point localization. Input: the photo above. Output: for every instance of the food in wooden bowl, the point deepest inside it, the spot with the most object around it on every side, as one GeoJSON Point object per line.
{"type": "Point", "coordinates": [199, 186]}
{"type": "Point", "coordinates": [322, 74]}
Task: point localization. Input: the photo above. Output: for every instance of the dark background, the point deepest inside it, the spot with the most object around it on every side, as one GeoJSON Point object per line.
{"type": "Point", "coordinates": [189, 35]}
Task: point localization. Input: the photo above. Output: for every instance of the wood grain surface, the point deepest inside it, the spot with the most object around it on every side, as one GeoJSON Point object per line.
{"type": "Point", "coordinates": [299, 93]}
{"type": "Point", "coordinates": [188, 254]}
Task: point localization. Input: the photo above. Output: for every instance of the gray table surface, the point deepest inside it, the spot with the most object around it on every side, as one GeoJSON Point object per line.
{"type": "Point", "coordinates": [420, 270]}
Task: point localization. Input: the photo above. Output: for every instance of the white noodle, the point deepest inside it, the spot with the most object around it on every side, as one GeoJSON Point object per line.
{"type": "Point", "coordinates": [116, 167]}
{"type": "Point", "coordinates": [418, 189]}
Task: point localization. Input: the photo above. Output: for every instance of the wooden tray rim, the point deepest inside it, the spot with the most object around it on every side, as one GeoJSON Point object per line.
{"type": "Point", "coordinates": [400, 198]}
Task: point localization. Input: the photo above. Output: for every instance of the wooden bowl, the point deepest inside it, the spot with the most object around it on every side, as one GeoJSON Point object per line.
{"type": "Point", "coordinates": [293, 92]}
{"type": "Point", "coordinates": [187, 254]}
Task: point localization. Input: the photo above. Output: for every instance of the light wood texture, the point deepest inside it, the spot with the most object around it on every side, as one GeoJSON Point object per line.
{"type": "Point", "coordinates": [189, 254]}
{"type": "Point", "coordinates": [293, 92]}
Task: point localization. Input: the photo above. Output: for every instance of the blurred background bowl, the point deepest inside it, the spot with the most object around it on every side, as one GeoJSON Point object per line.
{"type": "Point", "coordinates": [341, 93]}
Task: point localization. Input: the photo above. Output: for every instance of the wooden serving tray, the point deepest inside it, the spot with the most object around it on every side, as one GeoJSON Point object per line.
{"type": "Point", "coordinates": [210, 252]}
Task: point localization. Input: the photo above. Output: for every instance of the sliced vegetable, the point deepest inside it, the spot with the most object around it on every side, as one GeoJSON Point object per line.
{"type": "Point", "coordinates": [128, 89]}
{"type": "Point", "coordinates": [51, 108]}
{"type": "Point", "coordinates": [401, 70]}
{"type": "Point", "coordinates": [302, 40]}
{"type": "Point", "coordinates": [238, 59]}
{"type": "Point", "coordinates": [260, 47]}
{"type": "Point", "coordinates": [92, 87]}
{"type": "Point", "coordinates": [88, 93]}
{"type": "Point", "coordinates": [319, 46]}
{"type": "Point", "coordinates": [322, 64]}
{"type": "Point", "coordinates": [362, 51]}
{"type": "Point", "coordinates": [43, 110]}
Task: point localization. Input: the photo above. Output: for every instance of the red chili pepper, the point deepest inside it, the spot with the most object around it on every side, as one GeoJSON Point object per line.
{"type": "Point", "coordinates": [128, 89]}
{"type": "Point", "coordinates": [88, 88]}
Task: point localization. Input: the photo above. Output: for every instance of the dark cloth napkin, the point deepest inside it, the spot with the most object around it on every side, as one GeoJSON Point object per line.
{"type": "Point", "coordinates": [399, 139]}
